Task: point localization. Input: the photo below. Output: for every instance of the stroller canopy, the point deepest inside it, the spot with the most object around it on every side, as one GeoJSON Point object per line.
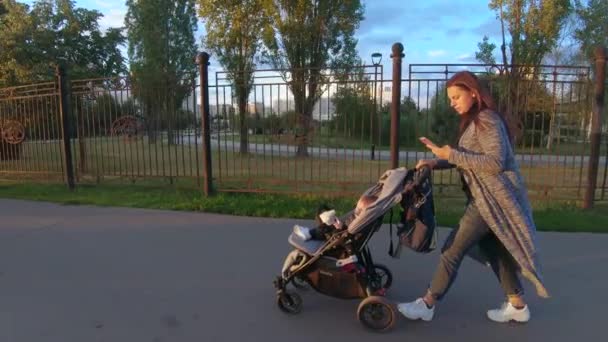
{"type": "Point", "coordinates": [388, 190]}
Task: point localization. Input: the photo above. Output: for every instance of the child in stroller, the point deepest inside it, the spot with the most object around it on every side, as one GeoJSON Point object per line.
{"type": "Point", "coordinates": [328, 222]}
{"type": "Point", "coordinates": [342, 266]}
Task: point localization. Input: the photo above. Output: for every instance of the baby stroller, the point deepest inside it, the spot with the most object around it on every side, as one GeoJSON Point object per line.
{"type": "Point", "coordinates": [342, 266]}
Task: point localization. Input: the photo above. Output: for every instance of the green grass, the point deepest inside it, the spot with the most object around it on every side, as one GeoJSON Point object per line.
{"type": "Point", "coordinates": [563, 217]}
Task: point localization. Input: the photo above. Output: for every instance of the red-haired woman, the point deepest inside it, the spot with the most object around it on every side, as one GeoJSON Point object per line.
{"type": "Point", "coordinates": [497, 225]}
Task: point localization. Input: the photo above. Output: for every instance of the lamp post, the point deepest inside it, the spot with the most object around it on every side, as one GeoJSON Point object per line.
{"type": "Point", "coordinates": [376, 58]}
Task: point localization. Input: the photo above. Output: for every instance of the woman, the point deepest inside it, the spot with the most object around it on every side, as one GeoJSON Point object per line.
{"type": "Point", "coordinates": [498, 219]}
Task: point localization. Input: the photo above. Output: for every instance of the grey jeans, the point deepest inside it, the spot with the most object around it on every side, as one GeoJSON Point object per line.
{"type": "Point", "coordinates": [472, 231]}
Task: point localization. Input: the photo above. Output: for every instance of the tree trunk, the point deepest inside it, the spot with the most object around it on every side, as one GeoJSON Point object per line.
{"type": "Point", "coordinates": [151, 116]}
{"type": "Point", "coordinates": [302, 139]}
{"type": "Point", "coordinates": [152, 127]}
{"type": "Point", "coordinates": [242, 103]}
{"type": "Point", "coordinates": [82, 152]}
{"type": "Point", "coordinates": [302, 123]}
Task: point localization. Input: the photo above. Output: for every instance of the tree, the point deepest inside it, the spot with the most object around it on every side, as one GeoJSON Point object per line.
{"type": "Point", "coordinates": [354, 106]}
{"type": "Point", "coordinates": [443, 120]}
{"type": "Point", "coordinates": [593, 26]}
{"type": "Point", "coordinates": [161, 51]}
{"type": "Point", "coordinates": [234, 32]}
{"type": "Point", "coordinates": [486, 51]}
{"type": "Point", "coordinates": [16, 28]}
{"type": "Point", "coordinates": [534, 28]}
{"type": "Point", "coordinates": [55, 31]}
{"type": "Point", "coordinates": [303, 39]}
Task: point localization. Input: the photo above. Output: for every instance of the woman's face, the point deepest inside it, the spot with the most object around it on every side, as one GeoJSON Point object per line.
{"type": "Point", "coordinates": [461, 99]}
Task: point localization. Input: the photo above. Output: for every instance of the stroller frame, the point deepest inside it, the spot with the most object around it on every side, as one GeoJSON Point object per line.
{"type": "Point", "coordinates": [375, 311]}
{"type": "Point", "coordinates": [359, 248]}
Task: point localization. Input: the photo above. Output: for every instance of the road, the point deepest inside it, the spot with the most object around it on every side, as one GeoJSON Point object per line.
{"type": "Point", "coordinates": [283, 150]}
{"type": "Point", "coordinates": [83, 273]}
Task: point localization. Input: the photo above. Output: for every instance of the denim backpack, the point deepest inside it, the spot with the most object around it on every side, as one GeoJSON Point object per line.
{"type": "Point", "coordinates": [416, 227]}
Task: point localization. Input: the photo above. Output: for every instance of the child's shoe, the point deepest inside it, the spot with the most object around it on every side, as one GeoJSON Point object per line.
{"type": "Point", "coordinates": [302, 232]}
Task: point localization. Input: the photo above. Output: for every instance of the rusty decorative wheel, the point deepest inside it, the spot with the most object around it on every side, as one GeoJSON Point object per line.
{"type": "Point", "coordinates": [127, 126]}
{"type": "Point", "coordinates": [13, 132]}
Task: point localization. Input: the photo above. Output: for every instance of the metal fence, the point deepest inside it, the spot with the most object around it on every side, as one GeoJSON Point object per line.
{"type": "Point", "coordinates": [358, 125]}
{"type": "Point", "coordinates": [114, 132]}
{"type": "Point", "coordinates": [129, 132]}
{"type": "Point", "coordinates": [554, 107]}
{"type": "Point", "coordinates": [349, 141]}
{"type": "Point", "coordinates": [31, 131]}
{"type": "Point", "coordinates": [345, 135]}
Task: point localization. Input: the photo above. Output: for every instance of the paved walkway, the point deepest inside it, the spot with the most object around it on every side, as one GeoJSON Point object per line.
{"type": "Point", "coordinates": [80, 273]}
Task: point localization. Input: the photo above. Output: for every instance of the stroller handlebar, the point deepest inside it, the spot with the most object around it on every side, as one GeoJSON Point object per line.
{"type": "Point", "coordinates": [422, 174]}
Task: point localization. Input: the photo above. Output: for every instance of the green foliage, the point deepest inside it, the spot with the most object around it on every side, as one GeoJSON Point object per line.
{"type": "Point", "coordinates": [593, 28]}
{"type": "Point", "coordinates": [304, 38]}
{"type": "Point", "coordinates": [486, 51]}
{"type": "Point", "coordinates": [161, 51]}
{"type": "Point", "coordinates": [234, 32]}
{"type": "Point", "coordinates": [535, 115]}
{"type": "Point", "coordinates": [443, 120]}
{"type": "Point", "coordinates": [355, 115]}
{"type": "Point", "coordinates": [33, 41]}
{"type": "Point", "coordinates": [357, 119]}
{"type": "Point", "coordinates": [534, 26]}
{"type": "Point", "coordinates": [412, 123]}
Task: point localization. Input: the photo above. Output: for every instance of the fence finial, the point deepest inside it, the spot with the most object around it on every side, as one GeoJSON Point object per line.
{"type": "Point", "coordinates": [202, 58]}
{"type": "Point", "coordinates": [397, 50]}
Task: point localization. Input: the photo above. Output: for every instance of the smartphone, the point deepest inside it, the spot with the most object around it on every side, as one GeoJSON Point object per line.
{"type": "Point", "coordinates": [427, 142]}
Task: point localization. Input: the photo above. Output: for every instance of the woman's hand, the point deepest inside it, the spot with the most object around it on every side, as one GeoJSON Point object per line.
{"type": "Point", "coordinates": [442, 152]}
{"type": "Point", "coordinates": [431, 163]}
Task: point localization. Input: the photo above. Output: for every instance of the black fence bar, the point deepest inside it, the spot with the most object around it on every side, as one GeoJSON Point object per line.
{"type": "Point", "coordinates": [202, 59]}
{"type": "Point", "coordinates": [596, 126]}
{"type": "Point", "coordinates": [65, 116]}
{"type": "Point", "coordinates": [397, 57]}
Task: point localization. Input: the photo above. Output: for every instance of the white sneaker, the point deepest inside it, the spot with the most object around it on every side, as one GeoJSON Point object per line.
{"type": "Point", "coordinates": [302, 232]}
{"type": "Point", "coordinates": [508, 312]}
{"type": "Point", "coordinates": [416, 310]}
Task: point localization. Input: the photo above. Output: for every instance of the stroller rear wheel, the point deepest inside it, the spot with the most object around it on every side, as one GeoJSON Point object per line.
{"type": "Point", "coordinates": [383, 276]}
{"type": "Point", "coordinates": [376, 313]}
{"type": "Point", "coordinates": [289, 302]}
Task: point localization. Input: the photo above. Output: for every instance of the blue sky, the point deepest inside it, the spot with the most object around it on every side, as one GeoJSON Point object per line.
{"type": "Point", "coordinates": [432, 31]}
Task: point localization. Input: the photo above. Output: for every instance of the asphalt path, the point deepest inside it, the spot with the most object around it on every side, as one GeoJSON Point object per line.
{"type": "Point", "coordinates": [83, 273]}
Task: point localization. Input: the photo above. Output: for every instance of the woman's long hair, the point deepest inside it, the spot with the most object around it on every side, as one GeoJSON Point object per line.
{"type": "Point", "coordinates": [483, 99]}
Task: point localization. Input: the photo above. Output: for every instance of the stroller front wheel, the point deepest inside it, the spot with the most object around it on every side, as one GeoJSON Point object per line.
{"type": "Point", "coordinates": [376, 313]}
{"type": "Point", "coordinates": [289, 302]}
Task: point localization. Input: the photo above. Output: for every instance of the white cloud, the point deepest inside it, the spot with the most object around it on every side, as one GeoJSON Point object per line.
{"type": "Point", "coordinates": [436, 53]}
{"type": "Point", "coordinates": [113, 18]}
